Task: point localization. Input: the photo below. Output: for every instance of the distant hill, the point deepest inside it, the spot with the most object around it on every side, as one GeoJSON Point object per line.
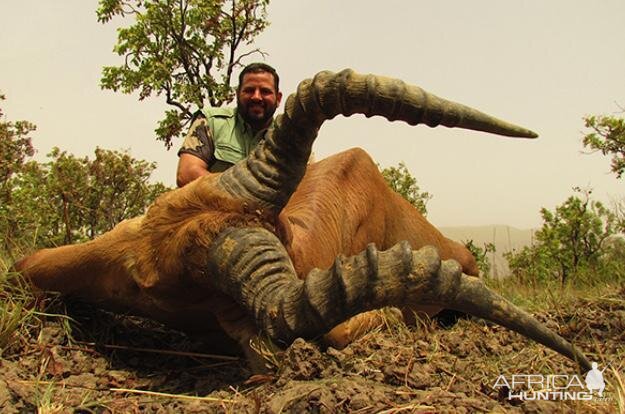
{"type": "Point", "coordinates": [505, 239]}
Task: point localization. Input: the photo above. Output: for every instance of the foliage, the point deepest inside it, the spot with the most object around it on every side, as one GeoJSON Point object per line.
{"type": "Point", "coordinates": [70, 199]}
{"type": "Point", "coordinates": [578, 239]}
{"type": "Point", "coordinates": [120, 189]}
{"type": "Point", "coordinates": [531, 265]}
{"type": "Point", "coordinates": [65, 199]}
{"type": "Point", "coordinates": [608, 136]}
{"type": "Point", "coordinates": [481, 255]}
{"type": "Point", "coordinates": [183, 49]}
{"type": "Point", "coordinates": [618, 207]}
{"type": "Point", "coordinates": [402, 182]}
{"type": "Point", "coordinates": [15, 148]}
{"type": "Point", "coordinates": [15, 298]}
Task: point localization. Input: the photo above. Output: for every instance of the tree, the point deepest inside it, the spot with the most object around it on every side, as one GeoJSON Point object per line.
{"type": "Point", "coordinates": [608, 136]}
{"type": "Point", "coordinates": [531, 265]}
{"type": "Point", "coordinates": [185, 50]}
{"type": "Point", "coordinates": [70, 199]}
{"type": "Point", "coordinates": [15, 148]}
{"type": "Point", "coordinates": [575, 238]}
{"type": "Point", "coordinates": [481, 255]}
{"type": "Point", "coordinates": [402, 182]}
{"type": "Point", "coordinates": [618, 207]}
{"type": "Point", "coordinates": [33, 209]}
{"type": "Point", "coordinates": [119, 189]}
{"type": "Point", "coordinates": [67, 181]}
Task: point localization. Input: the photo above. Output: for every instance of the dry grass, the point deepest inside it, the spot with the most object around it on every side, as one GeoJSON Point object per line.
{"type": "Point", "coordinates": [15, 313]}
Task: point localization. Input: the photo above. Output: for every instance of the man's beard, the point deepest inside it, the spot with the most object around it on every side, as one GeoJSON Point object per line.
{"type": "Point", "coordinates": [254, 120]}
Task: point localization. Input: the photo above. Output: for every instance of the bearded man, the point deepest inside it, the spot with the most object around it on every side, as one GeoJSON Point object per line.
{"type": "Point", "coordinates": [220, 137]}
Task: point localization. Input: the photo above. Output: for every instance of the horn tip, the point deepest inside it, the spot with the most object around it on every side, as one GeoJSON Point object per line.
{"type": "Point", "coordinates": [531, 134]}
{"type": "Point", "coordinates": [518, 132]}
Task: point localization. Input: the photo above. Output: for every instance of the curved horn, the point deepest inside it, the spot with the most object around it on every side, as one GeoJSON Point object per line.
{"type": "Point", "coordinates": [252, 266]}
{"type": "Point", "coordinates": [271, 173]}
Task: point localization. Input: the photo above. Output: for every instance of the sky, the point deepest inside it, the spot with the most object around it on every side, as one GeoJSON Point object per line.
{"type": "Point", "coordinates": [541, 64]}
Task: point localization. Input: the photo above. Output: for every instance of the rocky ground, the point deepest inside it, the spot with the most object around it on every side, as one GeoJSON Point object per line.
{"type": "Point", "coordinates": [96, 362]}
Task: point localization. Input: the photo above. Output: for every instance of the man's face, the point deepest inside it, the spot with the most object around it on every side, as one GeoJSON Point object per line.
{"type": "Point", "coordinates": [257, 99]}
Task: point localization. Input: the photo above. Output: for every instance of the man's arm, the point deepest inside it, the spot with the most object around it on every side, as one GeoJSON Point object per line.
{"type": "Point", "coordinates": [196, 153]}
{"type": "Point", "coordinates": [190, 167]}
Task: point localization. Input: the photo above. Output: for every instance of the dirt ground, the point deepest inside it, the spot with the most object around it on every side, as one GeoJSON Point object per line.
{"type": "Point", "coordinates": [96, 362]}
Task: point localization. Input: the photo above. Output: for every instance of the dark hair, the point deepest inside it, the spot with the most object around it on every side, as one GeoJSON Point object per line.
{"type": "Point", "coordinates": [258, 67]}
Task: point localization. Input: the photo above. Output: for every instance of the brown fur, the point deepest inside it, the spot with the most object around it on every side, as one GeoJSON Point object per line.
{"type": "Point", "coordinates": [343, 204]}
{"type": "Point", "coordinates": [154, 265]}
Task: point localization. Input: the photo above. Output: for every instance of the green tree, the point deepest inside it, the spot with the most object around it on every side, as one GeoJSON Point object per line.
{"type": "Point", "coordinates": [574, 239]}
{"type": "Point", "coordinates": [185, 50]}
{"type": "Point", "coordinates": [607, 136]}
{"type": "Point", "coordinates": [402, 182]}
{"type": "Point", "coordinates": [15, 149]}
{"type": "Point", "coordinates": [67, 181]}
{"type": "Point", "coordinates": [531, 265]}
{"type": "Point", "coordinates": [119, 189]}
{"type": "Point", "coordinates": [32, 208]}
{"type": "Point", "coordinates": [481, 255]}
{"type": "Point", "coordinates": [69, 199]}
{"type": "Point", "coordinates": [618, 207]}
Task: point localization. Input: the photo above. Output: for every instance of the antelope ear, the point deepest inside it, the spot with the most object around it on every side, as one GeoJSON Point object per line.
{"type": "Point", "coordinates": [273, 170]}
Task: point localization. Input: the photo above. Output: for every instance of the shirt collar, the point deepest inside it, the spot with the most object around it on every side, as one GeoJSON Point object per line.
{"type": "Point", "coordinates": [248, 129]}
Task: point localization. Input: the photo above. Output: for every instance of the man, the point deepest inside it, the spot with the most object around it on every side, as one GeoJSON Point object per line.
{"type": "Point", "coordinates": [220, 137]}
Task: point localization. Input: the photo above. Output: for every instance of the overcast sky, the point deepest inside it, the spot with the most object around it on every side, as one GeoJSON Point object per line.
{"type": "Point", "coordinates": [541, 64]}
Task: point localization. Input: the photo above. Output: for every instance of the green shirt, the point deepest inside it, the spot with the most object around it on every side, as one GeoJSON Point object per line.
{"type": "Point", "coordinates": [220, 138]}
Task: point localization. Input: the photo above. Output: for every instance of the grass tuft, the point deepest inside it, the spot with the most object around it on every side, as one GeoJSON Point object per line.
{"type": "Point", "coordinates": [619, 390]}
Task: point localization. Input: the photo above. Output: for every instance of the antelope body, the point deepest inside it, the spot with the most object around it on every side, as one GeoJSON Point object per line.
{"type": "Point", "coordinates": [277, 247]}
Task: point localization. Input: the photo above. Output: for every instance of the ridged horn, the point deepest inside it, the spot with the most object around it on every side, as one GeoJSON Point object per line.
{"type": "Point", "coordinates": [271, 173]}
{"type": "Point", "coordinates": [252, 266]}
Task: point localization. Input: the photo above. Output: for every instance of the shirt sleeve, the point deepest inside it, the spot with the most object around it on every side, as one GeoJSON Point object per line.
{"type": "Point", "coordinates": [199, 141]}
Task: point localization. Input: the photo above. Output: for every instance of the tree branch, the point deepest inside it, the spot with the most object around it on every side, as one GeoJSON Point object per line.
{"type": "Point", "coordinates": [237, 62]}
{"type": "Point", "coordinates": [175, 103]}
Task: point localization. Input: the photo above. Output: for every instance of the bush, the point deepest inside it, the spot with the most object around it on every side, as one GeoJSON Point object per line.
{"type": "Point", "coordinates": [578, 243]}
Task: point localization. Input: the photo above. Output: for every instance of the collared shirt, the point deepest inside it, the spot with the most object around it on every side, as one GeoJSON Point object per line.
{"type": "Point", "coordinates": [220, 138]}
